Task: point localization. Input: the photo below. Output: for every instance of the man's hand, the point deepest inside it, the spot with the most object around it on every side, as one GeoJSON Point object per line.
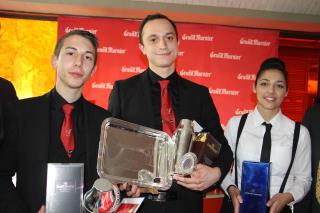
{"type": "Point", "coordinates": [132, 190]}
{"type": "Point", "coordinates": [235, 197]}
{"type": "Point", "coordinates": [201, 178]}
{"type": "Point", "coordinates": [42, 209]}
{"type": "Point", "coordinates": [279, 201]}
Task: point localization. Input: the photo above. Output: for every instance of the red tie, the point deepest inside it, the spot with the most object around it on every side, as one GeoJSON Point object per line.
{"type": "Point", "coordinates": [66, 135]}
{"type": "Point", "coordinates": [167, 114]}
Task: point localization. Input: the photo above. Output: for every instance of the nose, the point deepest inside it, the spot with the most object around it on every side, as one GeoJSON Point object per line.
{"type": "Point", "coordinates": [271, 88]}
{"type": "Point", "coordinates": [78, 60]}
{"type": "Point", "coordinates": [163, 43]}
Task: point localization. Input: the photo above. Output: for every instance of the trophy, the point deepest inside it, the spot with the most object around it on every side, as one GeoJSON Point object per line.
{"type": "Point", "coordinates": [64, 187]}
{"type": "Point", "coordinates": [131, 153]}
{"type": "Point", "coordinates": [138, 155]}
{"type": "Point", "coordinates": [185, 160]}
{"type": "Point", "coordinates": [102, 197]}
{"type": "Point", "coordinates": [255, 186]}
{"type": "Point", "coordinates": [206, 147]}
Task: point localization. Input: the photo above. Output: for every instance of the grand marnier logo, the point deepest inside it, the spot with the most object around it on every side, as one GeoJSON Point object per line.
{"type": "Point", "coordinates": [65, 186]}
{"type": "Point", "coordinates": [132, 33]}
{"type": "Point", "coordinates": [228, 56]}
{"type": "Point", "coordinates": [196, 37]}
{"type": "Point", "coordinates": [68, 29]}
{"type": "Point", "coordinates": [242, 111]}
{"type": "Point", "coordinates": [132, 69]}
{"type": "Point", "coordinates": [248, 77]}
{"type": "Point", "coordinates": [195, 73]}
{"type": "Point", "coordinates": [224, 91]}
{"type": "Point", "coordinates": [254, 42]}
{"type": "Point", "coordinates": [112, 50]}
{"type": "Point", "coordinates": [101, 85]}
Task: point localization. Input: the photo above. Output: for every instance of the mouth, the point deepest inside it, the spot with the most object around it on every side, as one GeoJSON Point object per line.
{"type": "Point", "coordinates": [76, 74]}
{"type": "Point", "coordinates": [164, 54]}
{"type": "Point", "coordinates": [270, 99]}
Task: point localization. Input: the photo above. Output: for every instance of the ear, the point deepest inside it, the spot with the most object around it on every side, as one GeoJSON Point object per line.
{"type": "Point", "coordinates": [54, 62]}
{"type": "Point", "coordinates": [286, 93]}
{"type": "Point", "coordinates": [141, 47]}
{"type": "Point", "coordinates": [254, 88]}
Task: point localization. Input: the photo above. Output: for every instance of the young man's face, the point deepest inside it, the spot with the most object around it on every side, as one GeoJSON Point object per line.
{"type": "Point", "coordinates": [75, 62]}
{"type": "Point", "coordinates": [160, 44]}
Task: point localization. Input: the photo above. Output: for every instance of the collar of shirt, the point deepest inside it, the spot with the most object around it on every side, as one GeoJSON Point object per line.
{"type": "Point", "coordinates": [275, 121]}
{"type": "Point", "coordinates": [57, 101]}
{"type": "Point", "coordinates": [154, 78]}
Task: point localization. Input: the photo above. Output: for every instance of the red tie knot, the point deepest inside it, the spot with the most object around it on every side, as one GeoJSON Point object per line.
{"type": "Point", "coordinates": [164, 84]}
{"type": "Point", "coordinates": [67, 108]}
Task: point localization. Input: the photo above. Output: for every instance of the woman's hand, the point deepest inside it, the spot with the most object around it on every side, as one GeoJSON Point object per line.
{"type": "Point", "coordinates": [236, 198]}
{"type": "Point", "coordinates": [278, 201]}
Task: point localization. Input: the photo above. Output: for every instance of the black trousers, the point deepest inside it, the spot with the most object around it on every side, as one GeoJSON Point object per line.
{"type": "Point", "coordinates": [187, 201]}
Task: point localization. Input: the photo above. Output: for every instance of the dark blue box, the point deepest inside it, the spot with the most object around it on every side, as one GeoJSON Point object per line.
{"type": "Point", "coordinates": [255, 187]}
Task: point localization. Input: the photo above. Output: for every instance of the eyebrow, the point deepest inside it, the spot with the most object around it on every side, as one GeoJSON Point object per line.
{"type": "Point", "coordinates": [73, 48]}
{"type": "Point", "coordinates": [265, 79]}
{"type": "Point", "coordinates": [155, 35]}
{"type": "Point", "coordinates": [170, 33]}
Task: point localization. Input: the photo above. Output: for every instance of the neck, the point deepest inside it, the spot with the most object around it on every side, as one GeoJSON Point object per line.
{"type": "Point", "coordinates": [69, 94]}
{"type": "Point", "coordinates": [163, 72]}
{"type": "Point", "coordinates": [267, 114]}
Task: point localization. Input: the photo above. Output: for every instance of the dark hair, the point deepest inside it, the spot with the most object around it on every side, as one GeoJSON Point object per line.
{"type": "Point", "coordinates": [83, 33]}
{"type": "Point", "coordinates": [154, 17]}
{"type": "Point", "coordinates": [273, 63]}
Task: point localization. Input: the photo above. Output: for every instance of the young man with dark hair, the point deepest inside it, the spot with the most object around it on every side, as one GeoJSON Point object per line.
{"type": "Point", "coordinates": [139, 99]}
{"type": "Point", "coordinates": [35, 128]}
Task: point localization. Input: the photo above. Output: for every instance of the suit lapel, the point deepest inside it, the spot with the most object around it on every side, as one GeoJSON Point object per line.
{"type": "Point", "coordinates": [42, 125]}
{"type": "Point", "coordinates": [145, 97]}
{"type": "Point", "coordinates": [39, 143]}
{"type": "Point", "coordinates": [91, 146]}
{"type": "Point", "coordinates": [183, 100]}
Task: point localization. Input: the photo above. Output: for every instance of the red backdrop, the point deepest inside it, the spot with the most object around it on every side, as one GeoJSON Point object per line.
{"type": "Point", "coordinates": [225, 59]}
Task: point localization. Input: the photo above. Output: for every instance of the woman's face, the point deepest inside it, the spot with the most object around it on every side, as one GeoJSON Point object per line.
{"type": "Point", "coordinates": [270, 90]}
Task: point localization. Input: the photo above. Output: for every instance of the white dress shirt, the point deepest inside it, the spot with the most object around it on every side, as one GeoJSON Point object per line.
{"type": "Point", "coordinates": [282, 131]}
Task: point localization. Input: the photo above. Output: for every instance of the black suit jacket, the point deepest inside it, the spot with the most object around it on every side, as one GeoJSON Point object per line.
{"type": "Point", "coordinates": [130, 100]}
{"type": "Point", "coordinates": [25, 151]}
{"type": "Point", "coordinates": [7, 91]}
{"type": "Point", "coordinates": [7, 94]}
{"type": "Point", "coordinates": [312, 121]}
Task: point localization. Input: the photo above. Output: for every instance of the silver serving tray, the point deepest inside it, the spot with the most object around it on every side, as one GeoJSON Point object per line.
{"type": "Point", "coordinates": [134, 154]}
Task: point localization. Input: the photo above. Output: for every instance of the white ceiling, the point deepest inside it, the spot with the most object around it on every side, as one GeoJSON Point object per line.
{"type": "Point", "coordinates": [290, 15]}
{"type": "Point", "coordinates": [306, 7]}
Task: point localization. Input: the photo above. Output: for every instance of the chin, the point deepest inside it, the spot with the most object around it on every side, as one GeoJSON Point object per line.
{"type": "Point", "coordinates": [165, 65]}
{"type": "Point", "coordinates": [76, 85]}
{"type": "Point", "coordinates": [273, 108]}
{"type": "Point", "coordinates": [269, 107]}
